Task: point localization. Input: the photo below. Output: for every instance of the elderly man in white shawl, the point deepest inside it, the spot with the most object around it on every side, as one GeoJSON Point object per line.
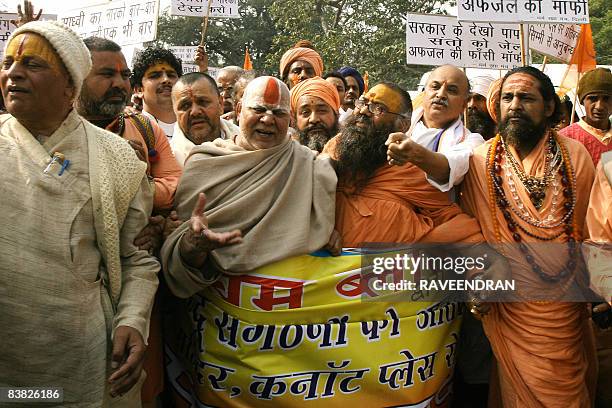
{"type": "Point", "coordinates": [76, 293]}
{"type": "Point", "coordinates": [437, 141]}
{"type": "Point", "coordinates": [267, 197]}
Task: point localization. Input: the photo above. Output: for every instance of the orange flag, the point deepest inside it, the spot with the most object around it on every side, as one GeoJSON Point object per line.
{"type": "Point", "coordinates": [583, 59]}
{"type": "Point", "coordinates": [248, 65]}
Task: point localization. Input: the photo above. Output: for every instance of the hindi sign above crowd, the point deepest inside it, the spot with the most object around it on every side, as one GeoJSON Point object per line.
{"type": "Point", "coordinates": [512, 11]}
{"type": "Point", "coordinates": [124, 22]}
{"type": "Point", "coordinates": [197, 8]}
{"type": "Point", "coordinates": [189, 67]}
{"type": "Point", "coordinates": [439, 40]}
{"type": "Point", "coordinates": [185, 53]}
{"type": "Point", "coordinates": [6, 28]}
{"type": "Point", "coordinates": [555, 40]}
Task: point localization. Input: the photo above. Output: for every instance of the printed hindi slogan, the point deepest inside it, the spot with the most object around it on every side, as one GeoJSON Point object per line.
{"type": "Point", "coordinates": [438, 40]}
{"type": "Point", "coordinates": [192, 67]}
{"type": "Point", "coordinates": [124, 22]}
{"type": "Point", "coordinates": [197, 8]}
{"type": "Point", "coordinates": [6, 28]}
{"type": "Point", "coordinates": [510, 11]}
{"type": "Point", "coordinates": [555, 40]}
{"type": "Point", "coordinates": [297, 333]}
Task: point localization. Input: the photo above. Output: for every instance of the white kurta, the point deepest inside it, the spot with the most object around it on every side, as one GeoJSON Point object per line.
{"type": "Point", "coordinates": [456, 143]}
{"type": "Point", "coordinates": [55, 313]}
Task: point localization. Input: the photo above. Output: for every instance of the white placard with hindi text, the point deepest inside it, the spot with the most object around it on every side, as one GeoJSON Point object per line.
{"type": "Point", "coordinates": [185, 53]}
{"type": "Point", "coordinates": [6, 28]}
{"type": "Point", "coordinates": [212, 71]}
{"type": "Point", "coordinates": [555, 40]}
{"type": "Point", "coordinates": [439, 40]}
{"type": "Point", "coordinates": [124, 22]}
{"type": "Point", "coordinates": [524, 11]}
{"type": "Point", "coordinates": [197, 8]}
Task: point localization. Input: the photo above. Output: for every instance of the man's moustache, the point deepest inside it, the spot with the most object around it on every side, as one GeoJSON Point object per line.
{"type": "Point", "coordinates": [443, 102]}
{"type": "Point", "coordinates": [117, 92]}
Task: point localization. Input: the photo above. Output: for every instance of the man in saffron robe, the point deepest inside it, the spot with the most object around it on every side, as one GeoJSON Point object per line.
{"type": "Point", "coordinates": [594, 130]}
{"type": "Point", "coordinates": [598, 255]}
{"type": "Point", "coordinates": [529, 186]}
{"type": "Point", "coordinates": [314, 109]}
{"type": "Point", "coordinates": [373, 195]}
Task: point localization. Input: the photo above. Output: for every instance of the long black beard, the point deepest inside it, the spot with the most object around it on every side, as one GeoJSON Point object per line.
{"type": "Point", "coordinates": [360, 151]}
{"type": "Point", "coordinates": [316, 140]}
{"type": "Point", "coordinates": [525, 136]}
{"type": "Point", "coordinates": [479, 122]}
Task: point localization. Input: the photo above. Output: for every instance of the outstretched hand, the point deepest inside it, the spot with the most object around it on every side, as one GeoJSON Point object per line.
{"type": "Point", "coordinates": [400, 149]}
{"type": "Point", "coordinates": [198, 241]}
{"type": "Point", "coordinates": [26, 15]}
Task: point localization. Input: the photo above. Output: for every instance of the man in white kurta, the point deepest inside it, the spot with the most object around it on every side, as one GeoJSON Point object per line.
{"type": "Point", "coordinates": [198, 106]}
{"type": "Point", "coordinates": [76, 293]}
{"type": "Point", "coordinates": [437, 141]}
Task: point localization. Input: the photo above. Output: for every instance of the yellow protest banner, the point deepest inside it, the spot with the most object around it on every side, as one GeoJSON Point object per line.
{"type": "Point", "coordinates": [297, 333]}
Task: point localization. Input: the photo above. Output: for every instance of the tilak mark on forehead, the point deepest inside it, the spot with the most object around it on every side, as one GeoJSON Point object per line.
{"type": "Point", "coordinates": [272, 93]}
{"type": "Point", "coordinates": [21, 45]}
{"type": "Point", "coordinates": [387, 96]}
{"type": "Point", "coordinates": [521, 80]}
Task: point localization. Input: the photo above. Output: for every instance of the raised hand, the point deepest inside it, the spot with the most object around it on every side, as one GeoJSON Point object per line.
{"type": "Point", "coordinates": [27, 15]}
{"type": "Point", "coordinates": [201, 58]}
{"type": "Point", "coordinates": [198, 241]}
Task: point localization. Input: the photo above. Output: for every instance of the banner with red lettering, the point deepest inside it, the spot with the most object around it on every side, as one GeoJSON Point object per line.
{"type": "Point", "coordinates": [307, 332]}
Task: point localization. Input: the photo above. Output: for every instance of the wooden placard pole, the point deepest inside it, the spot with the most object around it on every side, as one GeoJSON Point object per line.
{"type": "Point", "coordinates": [575, 100]}
{"type": "Point", "coordinates": [544, 63]}
{"type": "Point", "coordinates": [523, 51]}
{"type": "Point", "coordinates": [205, 24]}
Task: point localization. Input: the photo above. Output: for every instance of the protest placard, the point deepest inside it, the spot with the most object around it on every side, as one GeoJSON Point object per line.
{"type": "Point", "coordinates": [124, 22]}
{"type": "Point", "coordinates": [554, 40]}
{"type": "Point", "coordinates": [212, 71]}
{"type": "Point", "coordinates": [512, 11]}
{"type": "Point", "coordinates": [185, 53]}
{"type": "Point", "coordinates": [438, 40]}
{"type": "Point", "coordinates": [6, 28]}
{"type": "Point", "coordinates": [197, 8]}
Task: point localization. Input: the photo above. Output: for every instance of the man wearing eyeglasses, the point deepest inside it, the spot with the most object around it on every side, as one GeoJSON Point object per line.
{"type": "Point", "coordinates": [438, 142]}
{"type": "Point", "coordinates": [372, 195]}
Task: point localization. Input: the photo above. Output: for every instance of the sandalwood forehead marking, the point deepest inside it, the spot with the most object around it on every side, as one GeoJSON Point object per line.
{"type": "Point", "coordinates": [520, 80]}
{"type": "Point", "coordinates": [387, 96]}
{"type": "Point", "coordinates": [33, 45]}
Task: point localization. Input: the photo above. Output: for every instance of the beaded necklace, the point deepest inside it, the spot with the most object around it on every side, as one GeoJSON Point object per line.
{"type": "Point", "coordinates": [498, 200]}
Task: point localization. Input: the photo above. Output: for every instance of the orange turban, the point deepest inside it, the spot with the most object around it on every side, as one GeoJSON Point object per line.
{"type": "Point", "coordinates": [302, 54]}
{"type": "Point", "coordinates": [493, 98]}
{"type": "Point", "coordinates": [317, 87]}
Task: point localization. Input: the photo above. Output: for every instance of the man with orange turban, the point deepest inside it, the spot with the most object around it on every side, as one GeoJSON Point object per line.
{"type": "Point", "coordinates": [299, 64]}
{"type": "Point", "coordinates": [314, 110]}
